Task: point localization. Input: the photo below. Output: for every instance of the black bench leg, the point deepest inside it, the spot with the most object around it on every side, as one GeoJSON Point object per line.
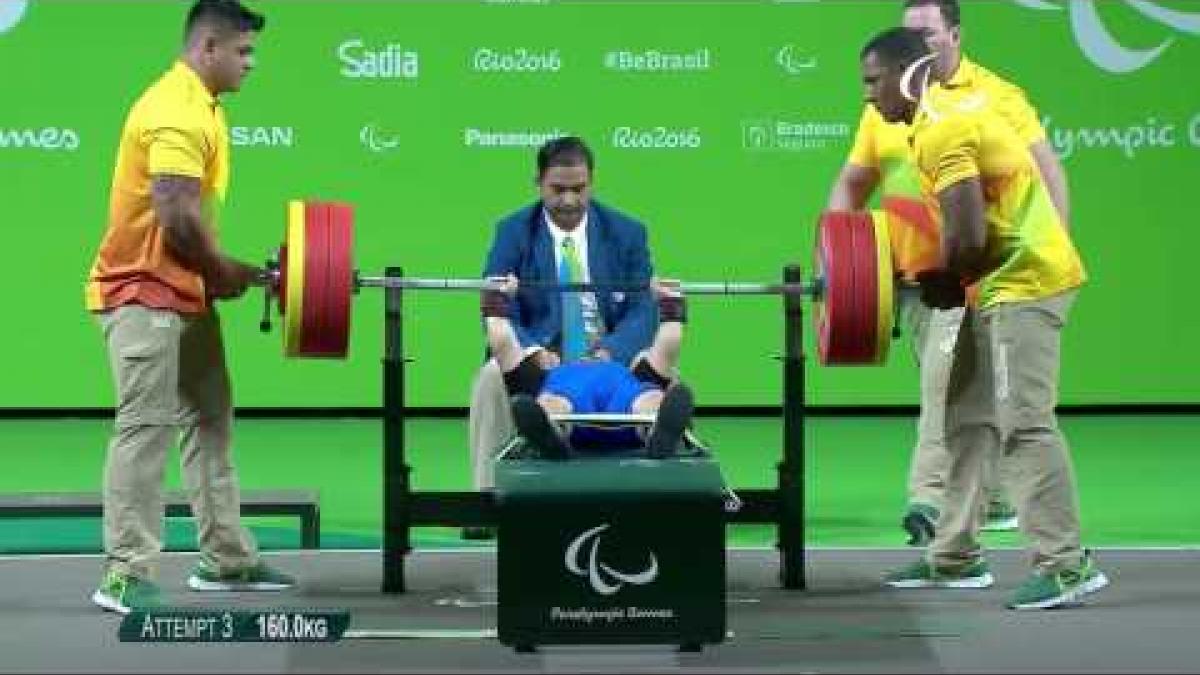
{"type": "Point", "coordinates": [310, 529]}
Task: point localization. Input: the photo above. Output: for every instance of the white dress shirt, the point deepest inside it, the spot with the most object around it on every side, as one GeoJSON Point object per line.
{"type": "Point", "coordinates": [591, 312]}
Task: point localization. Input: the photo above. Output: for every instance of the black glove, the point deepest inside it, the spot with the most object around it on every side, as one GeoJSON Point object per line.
{"type": "Point", "coordinates": [941, 289]}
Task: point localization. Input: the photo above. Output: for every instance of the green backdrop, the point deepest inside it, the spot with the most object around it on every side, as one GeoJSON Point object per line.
{"type": "Point", "coordinates": [720, 124]}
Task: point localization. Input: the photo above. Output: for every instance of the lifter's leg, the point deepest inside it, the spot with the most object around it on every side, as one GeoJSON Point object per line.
{"type": "Point", "coordinates": [530, 407]}
{"type": "Point", "coordinates": [660, 363]}
{"type": "Point", "coordinates": [672, 400]}
{"type": "Point", "coordinates": [502, 340]}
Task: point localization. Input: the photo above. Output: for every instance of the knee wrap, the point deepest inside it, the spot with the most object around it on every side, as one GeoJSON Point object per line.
{"type": "Point", "coordinates": [645, 372]}
{"type": "Point", "coordinates": [493, 304]}
{"type": "Point", "coordinates": [526, 378]}
{"type": "Point", "coordinates": [672, 308]}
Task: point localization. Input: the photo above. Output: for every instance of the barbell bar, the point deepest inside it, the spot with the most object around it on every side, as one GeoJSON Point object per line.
{"type": "Point", "coordinates": [313, 276]}
{"type": "Point", "coordinates": [687, 287]}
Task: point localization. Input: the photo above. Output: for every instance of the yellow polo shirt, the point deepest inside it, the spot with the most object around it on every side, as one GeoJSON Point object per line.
{"type": "Point", "coordinates": [914, 222]}
{"type": "Point", "coordinates": [1028, 251]}
{"type": "Point", "coordinates": [912, 225]}
{"type": "Point", "coordinates": [176, 127]}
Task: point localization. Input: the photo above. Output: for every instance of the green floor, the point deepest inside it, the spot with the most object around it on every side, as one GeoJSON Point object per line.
{"type": "Point", "coordinates": [1137, 476]}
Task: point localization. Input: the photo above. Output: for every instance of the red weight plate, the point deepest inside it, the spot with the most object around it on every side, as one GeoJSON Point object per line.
{"type": "Point", "coordinates": [322, 341]}
{"type": "Point", "coordinates": [841, 302]}
{"type": "Point", "coordinates": [836, 318]}
{"type": "Point", "coordinates": [340, 278]}
{"type": "Point", "coordinates": [866, 285]}
{"type": "Point", "coordinates": [849, 261]}
{"type": "Point", "coordinates": [847, 318]}
{"type": "Point", "coordinates": [316, 253]}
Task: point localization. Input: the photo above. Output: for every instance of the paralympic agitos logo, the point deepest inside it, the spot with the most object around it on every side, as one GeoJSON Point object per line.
{"type": "Point", "coordinates": [582, 558]}
{"type": "Point", "coordinates": [44, 138]}
{"type": "Point", "coordinates": [1098, 43]}
{"type": "Point", "coordinates": [11, 12]}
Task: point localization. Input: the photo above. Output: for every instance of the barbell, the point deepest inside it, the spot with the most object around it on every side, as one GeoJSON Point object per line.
{"type": "Point", "coordinates": [853, 288]}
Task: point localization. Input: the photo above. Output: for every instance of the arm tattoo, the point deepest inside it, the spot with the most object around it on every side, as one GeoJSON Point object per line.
{"type": "Point", "coordinates": [177, 203]}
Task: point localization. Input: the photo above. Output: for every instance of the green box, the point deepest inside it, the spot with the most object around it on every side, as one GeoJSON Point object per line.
{"type": "Point", "coordinates": [610, 550]}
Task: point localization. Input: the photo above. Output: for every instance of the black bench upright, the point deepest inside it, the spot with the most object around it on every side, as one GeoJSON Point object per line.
{"type": "Point", "coordinates": [405, 508]}
{"type": "Point", "coordinates": [305, 504]}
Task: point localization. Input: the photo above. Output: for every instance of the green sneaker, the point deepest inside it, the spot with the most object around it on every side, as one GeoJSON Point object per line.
{"type": "Point", "coordinates": [1044, 590]}
{"type": "Point", "coordinates": [1000, 517]}
{"type": "Point", "coordinates": [123, 593]}
{"type": "Point", "coordinates": [923, 575]}
{"type": "Point", "coordinates": [260, 577]}
{"type": "Point", "coordinates": [918, 523]}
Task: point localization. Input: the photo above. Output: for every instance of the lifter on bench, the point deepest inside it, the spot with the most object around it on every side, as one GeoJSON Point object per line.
{"type": "Point", "coordinates": [649, 386]}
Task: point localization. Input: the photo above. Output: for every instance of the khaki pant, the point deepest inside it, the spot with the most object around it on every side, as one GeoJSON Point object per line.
{"type": "Point", "coordinates": [171, 385]}
{"type": "Point", "coordinates": [490, 422]}
{"type": "Point", "coordinates": [1001, 396]}
{"type": "Point", "coordinates": [934, 333]}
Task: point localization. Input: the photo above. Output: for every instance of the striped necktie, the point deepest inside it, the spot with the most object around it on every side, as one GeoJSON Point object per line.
{"type": "Point", "coordinates": [570, 270]}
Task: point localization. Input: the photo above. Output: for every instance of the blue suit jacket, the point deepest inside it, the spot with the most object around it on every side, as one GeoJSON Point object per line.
{"type": "Point", "coordinates": [617, 251]}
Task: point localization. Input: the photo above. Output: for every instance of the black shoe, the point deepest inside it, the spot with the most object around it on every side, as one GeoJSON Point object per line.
{"type": "Point", "coordinates": [674, 417]}
{"type": "Point", "coordinates": [478, 533]}
{"type": "Point", "coordinates": [534, 424]}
